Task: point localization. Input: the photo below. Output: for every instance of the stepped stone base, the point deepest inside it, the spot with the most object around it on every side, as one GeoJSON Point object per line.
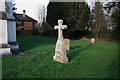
{"type": "Point", "coordinates": [14, 47]}
{"type": "Point", "coordinates": [60, 59]}
{"type": "Point", "coordinates": [5, 50]}
{"type": "Point", "coordinates": [60, 54]}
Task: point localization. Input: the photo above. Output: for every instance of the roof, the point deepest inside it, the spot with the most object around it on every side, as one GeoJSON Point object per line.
{"type": "Point", "coordinates": [20, 17]}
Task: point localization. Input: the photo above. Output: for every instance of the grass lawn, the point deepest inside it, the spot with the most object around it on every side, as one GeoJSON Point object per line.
{"type": "Point", "coordinates": [87, 60]}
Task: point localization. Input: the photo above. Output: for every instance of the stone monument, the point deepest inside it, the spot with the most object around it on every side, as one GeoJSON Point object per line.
{"type": "Point", "coordinates": [67, 43]}
{"type": "Point", "coordinates": [11, 28]}
{"type": "Point", "coordinates": [60, 52]}
{"type": "Point", "coordinates": [92, 40]}
{"type": "Point", "coordinates": [4, 46]}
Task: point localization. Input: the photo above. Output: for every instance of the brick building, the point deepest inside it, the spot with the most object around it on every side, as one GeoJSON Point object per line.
{"type": "Point", "coordinates": [24, 22]}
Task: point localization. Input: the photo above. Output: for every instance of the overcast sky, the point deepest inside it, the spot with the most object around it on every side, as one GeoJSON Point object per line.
{"type": "Point", "coordinates": [31, 6]}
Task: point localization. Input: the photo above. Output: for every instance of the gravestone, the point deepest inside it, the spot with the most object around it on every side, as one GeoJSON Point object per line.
{"type": "Point", "coordinates": [11, 28]}
{"type": "Point", "coordinates": [60, 52]}
{"type": "Point", "coordinates": [4, 46]}
{"type": "Point", "coordinates": [67, 43]}
{"type": "Point", "coordinates": [92, 40]}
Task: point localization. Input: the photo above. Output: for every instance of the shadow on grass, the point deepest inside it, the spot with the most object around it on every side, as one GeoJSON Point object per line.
{"type": "Point", "coordinates": [71, 48]}
{"type": "Point", "coordinates": [76, 50]}
{"type": "Point", "coordinates": [113, 69]}
{"type": "Point", "coordinates": [30, 42]}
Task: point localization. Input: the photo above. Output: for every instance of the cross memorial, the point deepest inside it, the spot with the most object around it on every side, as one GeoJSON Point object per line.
{"type": "Point", "coordinates": [60, 52]}
{"type": "Point", "coordinates": [4, 46]}
{"type": "Point", "coordinates": [11, 28]}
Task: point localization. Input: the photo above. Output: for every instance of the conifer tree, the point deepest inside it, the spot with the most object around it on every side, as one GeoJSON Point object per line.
{"type": "Point", "coordinates": [75, 15]}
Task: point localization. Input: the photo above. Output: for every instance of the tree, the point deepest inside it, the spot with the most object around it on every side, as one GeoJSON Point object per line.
{"type": "Point", "coordinates": [78, 16]}
{"type": "Point", "coordinates": [41, 17]}
{"type": "Point", "coordinates": [55, 11]}
{"type": "Point", "coordinates": [115, 17]}
{"type": "Point", "coordinates": [75, 14]}
{"type": "Point", "coordinates": [42, 14]}
{"type": "Point", "coordinates": [99, 18]}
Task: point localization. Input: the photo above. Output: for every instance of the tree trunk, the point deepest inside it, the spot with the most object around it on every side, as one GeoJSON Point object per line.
{"type": "Point", "coordinates": [98, 35]}
{"type": "Point", "coordinates": [99, 29]}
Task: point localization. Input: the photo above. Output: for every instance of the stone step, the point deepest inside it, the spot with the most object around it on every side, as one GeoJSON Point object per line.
{"type": "Point", "coordinates": [5, 51]}
{"type": "Point", "coordinates": [4, 45]}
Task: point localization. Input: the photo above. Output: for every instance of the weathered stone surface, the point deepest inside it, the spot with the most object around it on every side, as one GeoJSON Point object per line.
{"type": "Point", "coordinates": [4, 46]}
{"type": "Point", "coordinates": [5, 51]}
{"type": "Point", "coordinates": [92, 40]}
{"type": "Point", "coordinates": [11, 28]}
{"type": "Point", "coordinates": [67, 43]}
{"type": "Point", "coordinates": [60, 52]}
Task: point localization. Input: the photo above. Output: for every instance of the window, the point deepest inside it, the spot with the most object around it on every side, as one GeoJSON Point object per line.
{"type": "Point", "coordinates": [22, 23]}
{"type": "Point", "coordinates": [16, 25]}
{"type": "Point", "coordinates": [33, 24]}
{"type": "Point", "coordinates": [22, 28]}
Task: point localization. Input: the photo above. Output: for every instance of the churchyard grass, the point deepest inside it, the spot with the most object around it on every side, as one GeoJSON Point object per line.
{"type": "Point", "coordinates": [87, 60]}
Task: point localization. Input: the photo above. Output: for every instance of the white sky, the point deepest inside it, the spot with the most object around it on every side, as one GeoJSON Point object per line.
{"type": "Point", "coordinates": [31, 6]}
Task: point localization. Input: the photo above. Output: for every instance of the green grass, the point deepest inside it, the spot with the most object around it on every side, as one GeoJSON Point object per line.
{"type": "Point", "coordinates": [87, 60]}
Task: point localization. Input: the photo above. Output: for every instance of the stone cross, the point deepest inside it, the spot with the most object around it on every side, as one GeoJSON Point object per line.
{"type": "Point", "coordinates": [60, 27]}
{"type": "Point", "coordinates": [11, 28]}
{"type": "Point", "coordinates": [60, 52]}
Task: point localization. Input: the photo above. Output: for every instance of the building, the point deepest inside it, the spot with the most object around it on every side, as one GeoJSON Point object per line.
{"type": "Point", "coordinates": [24, 22]}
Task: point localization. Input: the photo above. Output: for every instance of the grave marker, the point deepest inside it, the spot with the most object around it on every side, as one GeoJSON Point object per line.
{"type": "Point", "coordinates": [60, 52]}
{"type": "Point", "coordinates": [92, 40]}
{"type": "Point", "coordinates": [4, 46]}
{"type": "Point", "coordinates": [11, 28]}
{"type": "Point", "coordinates": [67, 43]}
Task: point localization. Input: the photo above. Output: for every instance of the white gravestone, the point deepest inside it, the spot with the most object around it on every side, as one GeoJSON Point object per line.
{"type": "Point", "coordinates": [60, 52]}
{"type": "Point", "coordinates": [4, 46]}
{"type": "Point", "coordinates": [92, 40]}
{"type": "Point", "coordinates": [67, 43]}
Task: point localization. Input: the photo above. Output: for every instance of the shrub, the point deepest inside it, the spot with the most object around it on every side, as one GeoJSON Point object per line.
{"type": "Point", "coordinates": [51, 33]}
{"type": "Point", "coordinates": [46, 27]}
{"type": "Point", "coordinates": [35, 31]}
{"type": "Point", "coordinates": [115, 34]}
{"type": "Point", "coordinates": [93, 34]}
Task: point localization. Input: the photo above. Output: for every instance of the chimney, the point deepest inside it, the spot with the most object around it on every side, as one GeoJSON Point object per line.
{"type": "Point", "coordinates": [23, 13]}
